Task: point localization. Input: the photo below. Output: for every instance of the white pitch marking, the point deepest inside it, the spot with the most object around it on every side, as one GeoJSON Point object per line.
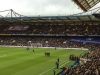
{"type": "Point", "coordinates": [52, 68]}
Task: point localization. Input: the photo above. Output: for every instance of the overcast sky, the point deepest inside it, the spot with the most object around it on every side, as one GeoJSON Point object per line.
{"type": "Point", "coordinates": [40, 7]}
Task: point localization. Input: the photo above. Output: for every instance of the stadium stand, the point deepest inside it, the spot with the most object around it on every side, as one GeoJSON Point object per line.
{"type": "Point", "coordinates": [70, 30]}
{"type": "Point", "coordinates": [57, 31]}
{"type": "Point", "coordinates": [89, 64]}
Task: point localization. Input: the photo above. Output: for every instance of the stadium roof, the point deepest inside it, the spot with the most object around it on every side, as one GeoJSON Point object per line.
{"type": "Point", "coordinates": [85, 5]}
{"type": "Point", "coordinates": [82, 18]}
{"type": "Point", "coordinates": [15, 17]}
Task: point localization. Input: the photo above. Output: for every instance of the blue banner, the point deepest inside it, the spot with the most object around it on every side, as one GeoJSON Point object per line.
{"type": "Point", "coordinates": [89, 40]}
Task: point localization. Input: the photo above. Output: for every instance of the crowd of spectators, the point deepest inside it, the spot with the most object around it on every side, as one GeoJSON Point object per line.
{"type": "Point", "coordinates": [89, 64]}
{"type": "Point", "coordinates": [70, 30]}
{"type": "Point", "coordinates": [73, 57]}
{"type": "Point", "coordinates": [44, 41]}
{"type": "Point", "coordinates": [25, 41]}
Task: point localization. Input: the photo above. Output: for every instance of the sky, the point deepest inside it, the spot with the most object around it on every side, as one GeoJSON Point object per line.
{"type": "Point", "coordinates": [40, 7]}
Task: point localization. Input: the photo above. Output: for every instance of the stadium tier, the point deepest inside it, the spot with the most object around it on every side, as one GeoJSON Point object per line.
{"type": "Point", "coordinates": [61, 42]}
{"type": "Point", "coordinates": [51, 30]}
{"type": "Point", "coordinates": [73, 25]}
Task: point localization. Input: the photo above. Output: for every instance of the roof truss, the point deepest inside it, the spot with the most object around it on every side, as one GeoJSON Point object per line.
{"type": "Point", "coordinates": [85, 5]}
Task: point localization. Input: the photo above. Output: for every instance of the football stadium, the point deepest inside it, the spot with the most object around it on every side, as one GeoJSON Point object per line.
{"type": "Point", "coordinates": [51, 45]}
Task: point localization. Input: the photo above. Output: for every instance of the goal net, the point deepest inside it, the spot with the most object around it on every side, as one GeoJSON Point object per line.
{"type": "Point", "coordinates": [36, 45]}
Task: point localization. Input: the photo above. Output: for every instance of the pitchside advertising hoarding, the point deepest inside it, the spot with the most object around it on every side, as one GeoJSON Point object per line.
{"type": "Point", "coordinates": [88, 40]}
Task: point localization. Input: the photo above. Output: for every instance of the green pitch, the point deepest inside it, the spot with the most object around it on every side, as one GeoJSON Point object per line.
{"type": "Point", "coordinates": [18, 61]}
